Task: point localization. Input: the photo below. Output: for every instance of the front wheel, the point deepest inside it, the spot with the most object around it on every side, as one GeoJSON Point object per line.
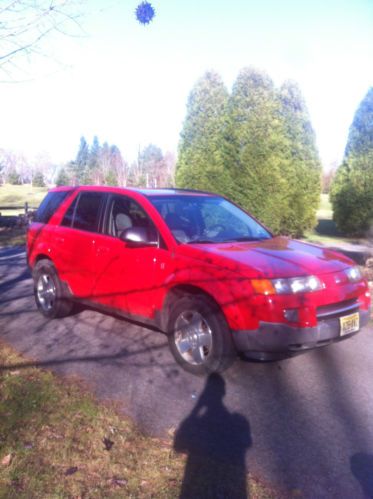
{"type": "Point", "coordinates": [50, 296]}
{"type": "Point", "coordinates": [199, 337]}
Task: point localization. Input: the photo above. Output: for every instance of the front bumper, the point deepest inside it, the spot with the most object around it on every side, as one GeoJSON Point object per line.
{"type": "Point", "coordinates": [272, 340]}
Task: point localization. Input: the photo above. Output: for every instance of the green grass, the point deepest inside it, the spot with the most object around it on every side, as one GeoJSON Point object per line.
{"type": "Point", "coordinates": [51, 444]}
{"type": "Point", "coordinates": [313, 237]}
{"type": "Point", "coordinates": [326, 231]}
{"type": "Point", "coordinates": [325, 211]}
{"type": "Point", "coordinates": [17, 195]}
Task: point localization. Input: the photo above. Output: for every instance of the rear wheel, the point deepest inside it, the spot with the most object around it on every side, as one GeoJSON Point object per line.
{"type": "Point", "coordinates": [198, 335]}
{"type": "Point", "coordinates": [51, 297]}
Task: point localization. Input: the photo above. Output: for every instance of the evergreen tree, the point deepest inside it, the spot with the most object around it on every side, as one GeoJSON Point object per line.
{"type": "Point", "coordinates": [62, 177]}
{"type": "Point", "coordinates": [105, 163]}
{"type": "Point", "coordinates": [79, 167]}
{"type": "Point", "coordinates": [38, 179]}
{"type": "Point", "coordinates": [201, 161]}
{"type": "Point", "coordinates": [303, 173]}
{"type": "Point", "coordinates": [13, 177]}
{"type": "Point", "coordinates": [83, 153]}
{"type": "Point", "coordinates": [94, 160]}
{"type": "Point", "coordinates": [360, 137]}
{"type": "Point", "coordinates": [118, 165]}
{"type": "Point", "coordinates": [258, 162]}
{"type": "Point", "coordinates": [352, 189]}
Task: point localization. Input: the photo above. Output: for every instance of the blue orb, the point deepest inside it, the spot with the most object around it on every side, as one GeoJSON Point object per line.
{"type": "Point", "coordinates": [144, 13]}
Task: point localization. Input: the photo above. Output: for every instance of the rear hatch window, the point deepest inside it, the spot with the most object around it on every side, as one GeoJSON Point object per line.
{"type": "Point", "coordinates": [49, 205]}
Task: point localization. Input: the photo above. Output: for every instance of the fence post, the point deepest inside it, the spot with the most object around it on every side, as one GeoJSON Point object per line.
{"type": "Point", "coordinates": [26, 208]}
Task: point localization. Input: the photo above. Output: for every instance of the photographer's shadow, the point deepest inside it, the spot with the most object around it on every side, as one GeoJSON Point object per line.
{"type": "Point", "coordinates": [216, 442]}
{"type": "Point", "coordinates": [362, 468]}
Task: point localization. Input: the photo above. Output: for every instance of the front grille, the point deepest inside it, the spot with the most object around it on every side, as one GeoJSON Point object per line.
{"type": "Point", "coordinates": [337, 309]}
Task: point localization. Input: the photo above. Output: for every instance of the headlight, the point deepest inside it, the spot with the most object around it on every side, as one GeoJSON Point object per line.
{"type": "Point", "coordinates": [354, 274]}
{"type": "Point", "coordinates": [286, 286]}
{"type": "Point", "coordinates": [297, 285]}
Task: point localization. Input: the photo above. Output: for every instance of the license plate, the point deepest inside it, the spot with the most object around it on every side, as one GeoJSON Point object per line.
{"type": "Point", "coordinates": [349, 324]}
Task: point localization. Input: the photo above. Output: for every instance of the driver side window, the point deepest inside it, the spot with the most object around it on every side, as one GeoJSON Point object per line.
{"type": "Point", "coordinates": [125, 213]}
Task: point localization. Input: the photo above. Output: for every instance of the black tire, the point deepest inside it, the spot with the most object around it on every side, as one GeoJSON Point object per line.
{"type": "Point", "coordinates": [205, 332]}
{"type": "Point", "coordinates": [51, 296]}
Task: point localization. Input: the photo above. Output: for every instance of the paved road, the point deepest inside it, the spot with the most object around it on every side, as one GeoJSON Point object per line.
{"type": "Point", "coordinates": [305, 424]}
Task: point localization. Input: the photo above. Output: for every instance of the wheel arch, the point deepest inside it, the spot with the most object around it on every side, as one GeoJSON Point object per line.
{"type": "Point", "coordinates": [175, 293]}
{"type": "Point", "coordinates": [39, 258]}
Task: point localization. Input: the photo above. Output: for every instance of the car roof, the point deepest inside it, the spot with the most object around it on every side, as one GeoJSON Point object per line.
{"type": "Point", "coordinates": [172, 191]}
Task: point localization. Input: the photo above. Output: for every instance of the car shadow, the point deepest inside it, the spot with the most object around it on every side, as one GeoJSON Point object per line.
{"type": "Point", "coordinates": [216, 442]}
{"type": "Point", "coordinates": [362, 469]}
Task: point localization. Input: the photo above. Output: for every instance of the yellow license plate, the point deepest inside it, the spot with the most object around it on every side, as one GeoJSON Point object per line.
{"type": "Point", "coordinates": [349, 324]}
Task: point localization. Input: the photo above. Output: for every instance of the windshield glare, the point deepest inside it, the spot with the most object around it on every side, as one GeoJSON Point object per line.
{"type": "Point", "coordinates": [206, 219]}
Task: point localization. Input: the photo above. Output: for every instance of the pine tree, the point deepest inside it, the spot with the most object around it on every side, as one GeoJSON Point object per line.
{"type": "Point", "coordinates": [258, 163]}
{"type": "Point", "coordinates": [360, 137]}
{"type": "Point", "coordinates": [79, 167]}
{"type": "Point", "coordinates": [62, 177]}
{"type": "Point", "coordinates": [303, 173]}
{"type": "Point", "coordinates": [201, 161]}
{"type": "Point", "coordinates": [352, 189]}
{"type": "Point", "coordinates": [38, 179]}
{"type": "Point", "coordinates": [94, 160]}
{"type": "Point", "coordinates": [13, 177]}
{"type": "Point", "coordinates": [118, 165]}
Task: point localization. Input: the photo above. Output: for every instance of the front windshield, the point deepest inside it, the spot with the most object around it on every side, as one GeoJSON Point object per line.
{"type": "Point", "coordinates": [207, 219]}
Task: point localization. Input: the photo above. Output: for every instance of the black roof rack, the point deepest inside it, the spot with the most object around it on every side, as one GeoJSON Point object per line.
{"type": "Point", "coordinates": [144, 190]}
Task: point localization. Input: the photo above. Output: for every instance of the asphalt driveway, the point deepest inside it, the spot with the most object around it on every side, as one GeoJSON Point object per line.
{"type": "Point", "coordinates": [304, 425]}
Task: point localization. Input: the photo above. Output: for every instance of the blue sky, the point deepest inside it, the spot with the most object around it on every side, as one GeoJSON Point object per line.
{"type": "Point", "coordinates": [129, 84]}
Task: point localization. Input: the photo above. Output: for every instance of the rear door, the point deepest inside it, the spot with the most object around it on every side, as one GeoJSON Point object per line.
{"type": "Point", "coordinates": [76, 239]}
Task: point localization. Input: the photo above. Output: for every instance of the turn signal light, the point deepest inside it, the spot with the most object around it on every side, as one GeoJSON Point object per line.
{"type": "Point", "coordinates": [263, 286]}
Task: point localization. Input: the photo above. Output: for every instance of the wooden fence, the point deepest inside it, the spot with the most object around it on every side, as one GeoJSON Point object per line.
{"type": "Point", "coordinates": [26, 208]}
{"type": "Point", "coordinates": [20, 220]}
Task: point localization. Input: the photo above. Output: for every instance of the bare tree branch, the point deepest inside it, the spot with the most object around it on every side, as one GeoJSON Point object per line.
{"type": "Point", "coordinates": [26, 24]}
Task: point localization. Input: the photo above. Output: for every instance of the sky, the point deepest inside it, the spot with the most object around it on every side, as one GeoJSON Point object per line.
{"type": "Point", "coordinates": [128, 83]}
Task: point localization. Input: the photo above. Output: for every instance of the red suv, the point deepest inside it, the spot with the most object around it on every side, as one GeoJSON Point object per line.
{"type": "Point", "coordinates": [197, 267]}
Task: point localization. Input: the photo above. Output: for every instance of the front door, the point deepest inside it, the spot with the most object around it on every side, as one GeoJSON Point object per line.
{"type": "Point", "coordinates": [125, 276]}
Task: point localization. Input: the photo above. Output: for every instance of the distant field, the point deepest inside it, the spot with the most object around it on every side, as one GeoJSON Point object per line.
{"type": "Point", "coordinates": [17, 195]}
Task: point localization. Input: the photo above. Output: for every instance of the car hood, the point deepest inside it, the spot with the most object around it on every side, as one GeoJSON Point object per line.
{"type": "Point", "coordinates": [276, 257]}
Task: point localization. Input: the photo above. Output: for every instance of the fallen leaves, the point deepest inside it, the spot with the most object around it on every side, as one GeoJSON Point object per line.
{"type": "Point", "coordinates": [71, 470]}
{"type": "Point", "coordinates": [108, 443]}
{"type": "Point", "coordinates": [6, 460]}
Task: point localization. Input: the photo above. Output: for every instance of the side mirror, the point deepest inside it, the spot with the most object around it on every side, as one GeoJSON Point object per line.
{"type": "Point", "coordinates": [139, 237]}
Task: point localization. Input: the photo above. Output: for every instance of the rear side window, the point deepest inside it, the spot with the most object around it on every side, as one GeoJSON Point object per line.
{"type": "Point", "coordinates": [49, 205]}
{"type": "Point", "coordinates": [69, 215]}
{"type": "Point", "coordinates": [88, 210]}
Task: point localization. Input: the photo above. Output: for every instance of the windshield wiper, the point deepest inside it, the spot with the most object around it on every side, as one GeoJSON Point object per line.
{"type": "Point", "coordinates": [247, 238]}
{"type": "Point", "coordinates": [201, 241]}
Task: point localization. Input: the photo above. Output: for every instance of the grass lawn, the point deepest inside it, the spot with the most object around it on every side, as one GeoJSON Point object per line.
{"type": "Point", "coordinates": [326, 231]}
{"type": "Point", "coordinates": [57, 441]}
{"type": "Point", "coordinates": [17, 195]}
{"type": "Point", "coordinates": [325, 211]}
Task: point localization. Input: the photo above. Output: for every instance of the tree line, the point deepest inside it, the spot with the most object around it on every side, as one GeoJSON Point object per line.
{"type": "Point", "coordinates": [104, 165]}
{"type": "Point", "coordinates": [254, 145]}
{"type": "Point", "coordinates": [94, 164]}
